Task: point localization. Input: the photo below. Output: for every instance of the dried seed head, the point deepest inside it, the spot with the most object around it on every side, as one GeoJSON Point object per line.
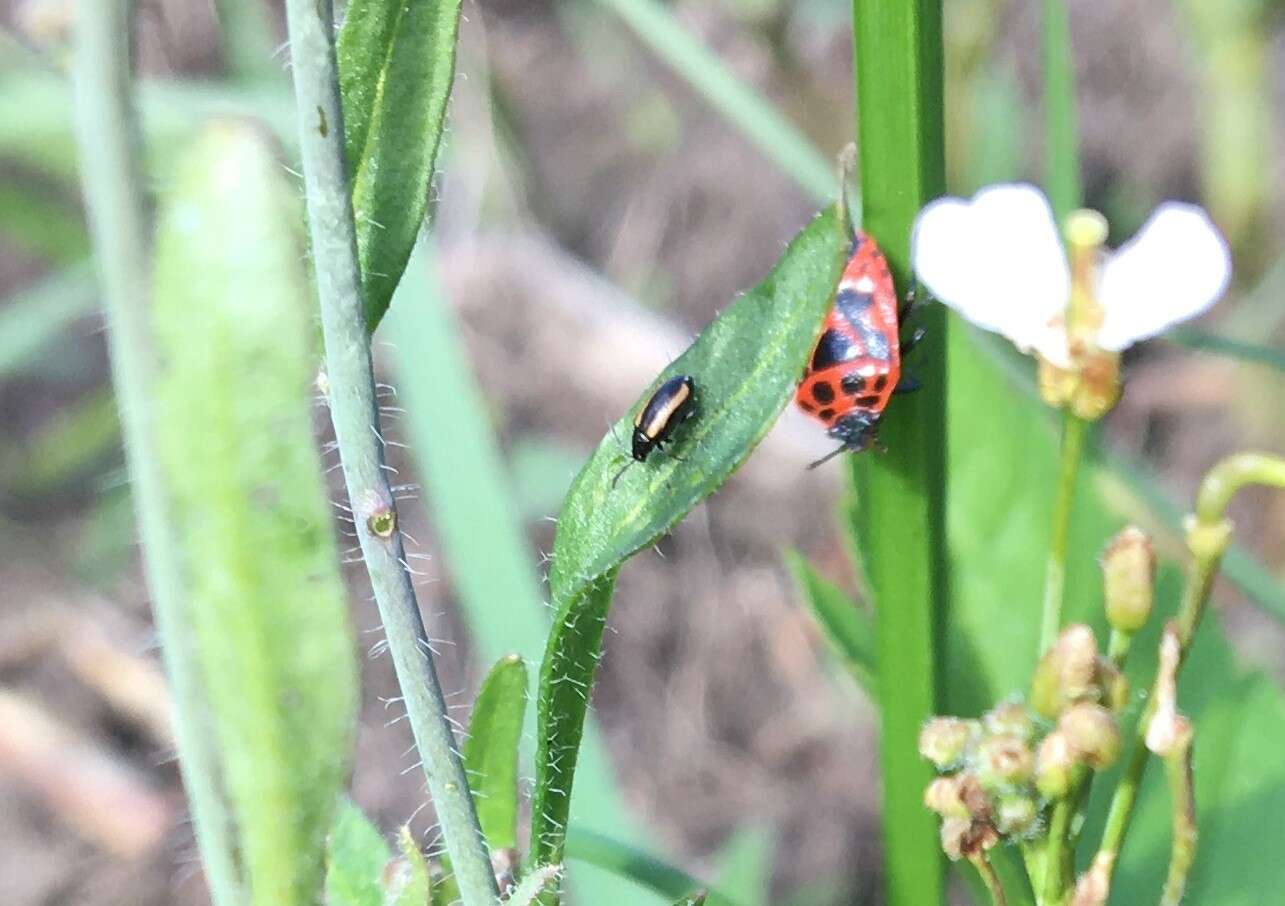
{"type": "Point", "coordinates": [1092, 734]}
{"type": "Point", "coordinates": [1129, 576]}
{"type": "Point", "coordinates": [961, 837]}
{"type": "Point", "coordinates": [1053, 763]}
{"type": "Point", "coordinates": [946, 740]}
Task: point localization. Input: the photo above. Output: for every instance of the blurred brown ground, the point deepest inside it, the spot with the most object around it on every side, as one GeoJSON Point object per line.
{"type": "Point", "coordinates": [716, 702]}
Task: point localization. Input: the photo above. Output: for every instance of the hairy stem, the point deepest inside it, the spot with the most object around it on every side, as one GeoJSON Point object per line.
{"type": "Point", "coordinates": [110, 151]}
{"type": "Point", "coordinates": [1073, 431]}
{"type": "Point", "coordinates": [355, 414]}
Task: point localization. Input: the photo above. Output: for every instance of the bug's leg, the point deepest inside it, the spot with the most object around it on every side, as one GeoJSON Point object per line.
{"type": "Point", "coordinates": [913, 340]}
{"type": "Point", "coordinates": [907, 384]}
{"type": "Point", "coordinates": [908, 302]}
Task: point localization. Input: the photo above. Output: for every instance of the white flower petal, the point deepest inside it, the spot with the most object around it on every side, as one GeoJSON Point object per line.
{"type": "Point", "coordinates": [998, 261]}
{"type": "Point", "coordinates": [1173, 269]}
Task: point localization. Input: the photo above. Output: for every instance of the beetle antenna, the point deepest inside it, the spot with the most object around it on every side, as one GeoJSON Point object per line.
{"type": "Point", "coordinates": [621, 472]}
{"type": "Point", "coordinates": [829, 456]}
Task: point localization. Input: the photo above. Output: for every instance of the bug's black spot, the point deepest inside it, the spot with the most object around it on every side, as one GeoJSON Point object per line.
{"type": "Point", "coordinates": [806, 406]}
{"type": "Point", "coordinates": [853, 384]}
{"type": "Point", "coordinates": [881, 382]}
{"type": "Point", "coordinates": [867, 401]}
{"type": "Point", "coordinates": [823, 391]}
{"type": "Point", "coordinates": [832, 349]}
{"type": "Point", "coordinates": [826, 414]}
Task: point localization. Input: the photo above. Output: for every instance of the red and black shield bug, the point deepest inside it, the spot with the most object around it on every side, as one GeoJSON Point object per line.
{"type": "Point", "coordinates": [671, 405]}
{"type": "Point", "coordinates": [856, 366]}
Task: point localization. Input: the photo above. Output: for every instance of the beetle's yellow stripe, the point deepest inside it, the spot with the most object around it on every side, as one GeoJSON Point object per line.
{"type": "Point", "coordinates": [663, 415]}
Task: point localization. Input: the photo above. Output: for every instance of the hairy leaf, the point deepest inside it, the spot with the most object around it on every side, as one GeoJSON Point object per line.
{"type": "Point", "coordinates": [396, 66]}
{"type": "Point", "coordinates": [745, 366]}
{"type": "Point", "coordinates": [491, 752]}
{"type": "Point", "coordinates": [265, 603]}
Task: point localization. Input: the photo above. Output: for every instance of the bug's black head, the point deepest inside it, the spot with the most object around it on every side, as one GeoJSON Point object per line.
{"type": "Point", "coordinates": [856, 432]}
{"type": "Point", "coordinates": [642, 445]}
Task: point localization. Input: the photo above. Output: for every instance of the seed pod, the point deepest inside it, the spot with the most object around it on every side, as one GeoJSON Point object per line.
{"type": "Point", "coordinates": [1092, 733]}
{"type": "Point", "coordinates": [1004, 761]}
{"type": "Point", "coordinates": [1067, 672]}
{"type": "Point", "coordinates": [1053, 763]}
{"type": "Point", "coordinates": [1128, 577]}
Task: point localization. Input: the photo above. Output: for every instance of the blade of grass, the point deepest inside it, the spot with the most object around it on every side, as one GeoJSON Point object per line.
{"type": "Point", "coordinates": [900, 518]}
{"type": "Point", "coordinates": [641, 868]}
{"type": "Point", "coordinates": [354, 411]}
{"type": "Point", "coordinates": [1061, 123]}
{"type": "Point", "coordinates": [1203, 341]}
{"type": "Point", "coordinates": [34, 316]}
{"type": "Point", "coordinates": [848, 629]}
{"type": "Point", "coordinates": [106, 131]}
{"type": "Point", "coordinates": [766, 128]}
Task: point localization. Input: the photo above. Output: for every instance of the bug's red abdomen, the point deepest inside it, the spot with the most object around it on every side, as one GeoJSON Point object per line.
{"type": "Point", "coordinates": [857, 361]}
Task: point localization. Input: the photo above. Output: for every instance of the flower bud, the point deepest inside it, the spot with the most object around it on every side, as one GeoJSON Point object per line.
{"type": "Point", "coordinates": [1016, 816]}
{"type": "Point", "coordinates": [1011, 718]}
{"type": "Point", "coordinates": [1128, 576]}
{"type": "Point", "coordinates": [1053, 764]}
{"type": "Point", "coordinates": [1003, 761]}
{"type": "Point", "coordinates": [1067, 671]}
{"type": "Point", "coordinates": [1092, 734]}
{"type": "Point", "coordinates": [943, 796]}
{"type": "Point", "coordinates": [1166, 727]}
{"type": "Point", "coordinates": [946, 740]}
{"type": "Point", "coordinates": [1115, 685]}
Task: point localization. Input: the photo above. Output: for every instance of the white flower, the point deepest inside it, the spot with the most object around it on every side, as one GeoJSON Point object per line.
{"type": "Point", "coordinates": [999, 262]}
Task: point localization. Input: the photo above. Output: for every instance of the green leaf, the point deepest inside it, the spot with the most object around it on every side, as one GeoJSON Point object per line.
{"type": "Point", "coordinates": [491, 751]}
{"type": "Point", "coordinates": [487, 554]}
{"type": "Point", "coordinates": [406, 882]}
{"type": "Point", "coordinates": [356, 855]}
{"type": "Point", "coordinates": [745, 366]}
{"type": "Point", "coordinates": [396, 66]}
{"type": "Point", "coordinates": [847, 628]}
{"type": "Point", "coordinates": [266, 607]}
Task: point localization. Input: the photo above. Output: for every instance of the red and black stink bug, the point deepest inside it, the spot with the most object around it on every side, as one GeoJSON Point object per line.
{"type": "Point", "coordinates": [856, 365]}
{"type": "Point", "coordinates": [671, 405]}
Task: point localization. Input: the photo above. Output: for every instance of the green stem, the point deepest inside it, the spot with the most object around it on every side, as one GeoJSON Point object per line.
{"type": "Point", "coordinates": [900, 518]}
{"type": "Point", "coordinates": [1182, 793]}
{"type": "Point", "coordinates": [110, 151]}
{"type": "Point", "coordinates": [1073, 431]}
{"type": "Point", "coordinates": [990, 879]}
{"type": "Point", "coordinates": [355, 415]}
{"type": "Point", "coordinates": [1208, 537]}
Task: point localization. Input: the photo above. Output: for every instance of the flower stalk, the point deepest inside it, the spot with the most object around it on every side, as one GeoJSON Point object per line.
{"type": "Point", "coordinates": [1208, 536]}
{"type": "Point", "coordinates": [355, 415]}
